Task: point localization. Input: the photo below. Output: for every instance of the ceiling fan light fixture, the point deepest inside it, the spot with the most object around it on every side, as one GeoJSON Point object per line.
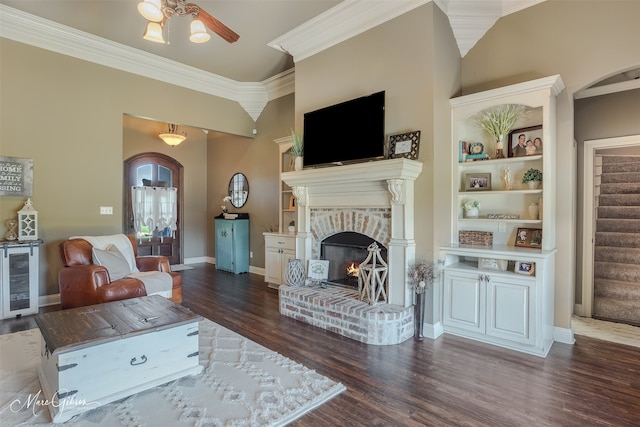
{"type": "Point", "coordinates": [153, 33]}
{"type": "Point", "coordinates": [198, 32]}
{"type": "Point", "coordinates": [151, 9]}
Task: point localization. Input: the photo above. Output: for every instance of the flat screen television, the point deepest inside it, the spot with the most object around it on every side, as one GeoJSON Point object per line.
{"type": "Point", "coordinates": [349, 132]}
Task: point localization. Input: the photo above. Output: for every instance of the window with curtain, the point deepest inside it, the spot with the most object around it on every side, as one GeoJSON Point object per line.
{"type": "Point", "coordinates": [154, 209]}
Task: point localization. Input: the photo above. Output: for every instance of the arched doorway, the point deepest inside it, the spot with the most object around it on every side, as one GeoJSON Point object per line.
{"type": "Point", "coordinates": [590, 207]}
{"type": "Point", "coordinates": [155, 170]}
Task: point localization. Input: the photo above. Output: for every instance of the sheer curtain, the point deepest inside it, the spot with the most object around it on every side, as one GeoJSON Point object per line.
{"type": "Point", "coordinates": [155, 208]}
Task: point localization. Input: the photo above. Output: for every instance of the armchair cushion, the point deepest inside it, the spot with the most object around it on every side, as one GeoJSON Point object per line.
{"type": "Point", "coordinates": [113, 260]}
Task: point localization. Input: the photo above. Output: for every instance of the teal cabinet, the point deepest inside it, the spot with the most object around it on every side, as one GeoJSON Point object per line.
{"type": "Point", "coordinates": [232, 245]}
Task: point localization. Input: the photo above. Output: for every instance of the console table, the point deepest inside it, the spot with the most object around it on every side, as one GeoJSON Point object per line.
{"type": "Point", "coordinates": [19, 271]}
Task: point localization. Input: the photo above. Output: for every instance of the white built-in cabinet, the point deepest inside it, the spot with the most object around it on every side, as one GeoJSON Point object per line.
{"type": "Point", "coordinates": [279, 249]}
{"type": "Point", "coordinates": [280, 245]}
{"type": "Point", "coordinates": [502, 293]}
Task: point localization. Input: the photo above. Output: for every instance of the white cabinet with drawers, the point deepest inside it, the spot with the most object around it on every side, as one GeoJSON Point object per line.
{"type": "Point", "coordinates": [279, 249]}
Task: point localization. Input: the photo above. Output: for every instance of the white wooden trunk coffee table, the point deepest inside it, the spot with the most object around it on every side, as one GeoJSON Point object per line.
{"type": "Point", "coordinates": [97, 354]}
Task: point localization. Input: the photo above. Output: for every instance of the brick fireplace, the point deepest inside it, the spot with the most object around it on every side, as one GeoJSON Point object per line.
{"type": "Point", "coordinates": [374, 198]}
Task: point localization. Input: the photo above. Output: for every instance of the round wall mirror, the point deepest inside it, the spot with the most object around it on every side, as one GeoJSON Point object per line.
{"type": "Point", "coordinates": [239, 190]}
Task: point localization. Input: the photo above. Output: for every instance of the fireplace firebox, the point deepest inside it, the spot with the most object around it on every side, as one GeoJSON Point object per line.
{"type": "Point", "coordinates": [345, 251]}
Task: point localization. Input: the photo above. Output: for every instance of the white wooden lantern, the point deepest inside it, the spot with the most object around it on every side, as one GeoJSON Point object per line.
{"type": "Point", "coordinates": [28, 222]}
{"type": "Point", "coordinates": [372, 277]}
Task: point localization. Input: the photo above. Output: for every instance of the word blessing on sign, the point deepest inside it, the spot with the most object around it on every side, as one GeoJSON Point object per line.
{"type": "Point", "coordinates": [16, 176]}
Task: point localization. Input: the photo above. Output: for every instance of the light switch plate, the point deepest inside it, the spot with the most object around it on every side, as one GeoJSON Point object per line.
{"type": "Point", "coordinates": [106, 210]}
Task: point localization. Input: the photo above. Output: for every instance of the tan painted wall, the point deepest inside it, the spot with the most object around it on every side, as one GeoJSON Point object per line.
{"type": "Point", "coordinates": [414, 59]}
{"type": "Point", "coordinates": [258, 160]}
{"type": "Point", "coordinates": [583, 42]}
{"type": "Point", "coordinates": [402, 64]}
{"type": "Point", "coordinates": [67, 115]}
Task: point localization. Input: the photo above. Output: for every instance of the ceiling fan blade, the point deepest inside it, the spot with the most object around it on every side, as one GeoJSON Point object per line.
{"type": "Point", "coordinates": [218, 27]}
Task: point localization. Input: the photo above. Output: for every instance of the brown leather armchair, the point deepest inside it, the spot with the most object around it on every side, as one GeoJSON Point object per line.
{"type": "Point", "coordinates": [83, 283]}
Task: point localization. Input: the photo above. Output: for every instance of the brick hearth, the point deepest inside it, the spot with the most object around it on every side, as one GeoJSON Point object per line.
{"type": "Point", "coordinates": [339, 310]}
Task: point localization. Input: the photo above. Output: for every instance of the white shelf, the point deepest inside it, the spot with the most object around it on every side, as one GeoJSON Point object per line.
{"type": "Point", "coordinates": [512, 221]}
{"type": "Point", "coordinates": [492, 162]}
{"type": "Point", "coordinates": [495, 192]}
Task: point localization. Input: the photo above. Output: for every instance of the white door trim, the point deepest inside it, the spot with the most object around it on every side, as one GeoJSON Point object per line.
{"type": "Point", "coordinates": [588, 209]}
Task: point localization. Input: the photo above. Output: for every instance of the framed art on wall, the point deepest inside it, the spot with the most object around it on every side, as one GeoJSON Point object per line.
{"type": "Point", "coordinates": [404, 145]}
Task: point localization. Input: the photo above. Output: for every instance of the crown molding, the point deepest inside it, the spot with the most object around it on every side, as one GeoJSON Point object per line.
{"type": "Point", "coordinates": [471, 19]}
{"type": "Point", "coordinates": [341, 22]}
{"type": "Point", "coordinates": [35, 31]}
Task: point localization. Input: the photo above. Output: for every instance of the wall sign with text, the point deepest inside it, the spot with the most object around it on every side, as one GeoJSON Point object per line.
{"type": "Point", "coordinates": [16, 176]}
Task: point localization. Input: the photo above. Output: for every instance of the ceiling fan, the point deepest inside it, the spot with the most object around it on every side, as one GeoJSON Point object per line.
{"type": "Point", "coordinates": [158, 12]}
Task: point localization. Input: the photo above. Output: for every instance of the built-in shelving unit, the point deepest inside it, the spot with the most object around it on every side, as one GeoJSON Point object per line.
{"type": "Point", "coordinates": [280, 245]}
{"type": "Point", "coordinates": [503, 293]}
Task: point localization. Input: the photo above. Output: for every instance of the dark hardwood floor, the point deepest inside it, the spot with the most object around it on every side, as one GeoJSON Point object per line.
{"type": "Point", "coordinates": [449, 381]}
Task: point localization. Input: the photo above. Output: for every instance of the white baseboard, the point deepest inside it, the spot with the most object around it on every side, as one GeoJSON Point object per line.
{"type": "Point", "coordinates": [198, 260]}
{"type": "Point", "coordinates": [45, 300]}
{"type": "Point", "coordinates": [433, 331]}
{"type": "Point", "coordinates": [563, 335]}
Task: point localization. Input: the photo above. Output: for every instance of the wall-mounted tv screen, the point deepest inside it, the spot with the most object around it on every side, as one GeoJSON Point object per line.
{"type": "Point", "coordinates": [349, 132]}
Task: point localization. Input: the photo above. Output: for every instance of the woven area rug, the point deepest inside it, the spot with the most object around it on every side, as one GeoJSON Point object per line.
{"type": "Point", "coordinates": [243, 384]}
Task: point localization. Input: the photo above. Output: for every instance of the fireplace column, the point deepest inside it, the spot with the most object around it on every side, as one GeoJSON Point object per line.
{"type": "Point", "coordinates": [402, 246]}
{"type": "Point", "coordinates": [303, 223]}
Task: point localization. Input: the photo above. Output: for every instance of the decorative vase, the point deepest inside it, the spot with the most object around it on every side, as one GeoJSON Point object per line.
{"type": "Point", "coordinates": [533, 211]}
{"type": "Point", "coordinates": [419, 317]}
{"type": "Point", "coordinates": [533, 185]}
{"type": "Point", "coordinates": [295, 275]}
{"type": "Point", "coordinates": [297, 163]}
{"type": "Point", "coordinates": [292, 228]}
{"type": "Point", "coordinates": [500, 148]}
{"type": "Point", "coordinates": [471, 213]}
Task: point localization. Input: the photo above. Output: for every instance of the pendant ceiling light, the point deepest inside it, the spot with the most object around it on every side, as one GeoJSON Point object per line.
{"type": "Point", "coordinates": [158, 13]}
{"type": "Point", "coordinates": [173, 138]}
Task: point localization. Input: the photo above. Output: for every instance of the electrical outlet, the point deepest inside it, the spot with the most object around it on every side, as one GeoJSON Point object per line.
{"type": "Point", "coordinates": [106, 210]}
{"type": "Point", "coordinates": [250, 254]}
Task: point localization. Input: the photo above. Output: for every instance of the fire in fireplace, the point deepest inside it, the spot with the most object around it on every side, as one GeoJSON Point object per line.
{"type": "Point", "coordinates": [345, 251]}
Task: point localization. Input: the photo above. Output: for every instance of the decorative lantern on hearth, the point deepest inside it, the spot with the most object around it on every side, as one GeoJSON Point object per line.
{"type": "Point", "coordinates": [372, 276]}
{"type": "Point", "coordinates": [28, 222]}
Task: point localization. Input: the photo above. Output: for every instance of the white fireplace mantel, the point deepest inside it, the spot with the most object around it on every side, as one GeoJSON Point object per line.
{"type": "Point", "coordinates": [376, 184]}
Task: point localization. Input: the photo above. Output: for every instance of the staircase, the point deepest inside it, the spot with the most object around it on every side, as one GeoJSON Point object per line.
{"type": "Point", "coordinates": [617, 242]}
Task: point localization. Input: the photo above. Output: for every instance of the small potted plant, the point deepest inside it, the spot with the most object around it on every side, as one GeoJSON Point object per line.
{"type": "Point", "coordinates": [533, 178]}
{"type": "Point", "coordinates": [292, 226]}
{"type": "Point", "coordinates": [297, 149]}
{"type": "Point", "coordinates": [471, 208]}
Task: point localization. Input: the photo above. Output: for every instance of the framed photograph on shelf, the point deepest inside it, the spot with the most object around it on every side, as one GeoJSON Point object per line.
{"type": "Point", "coordinates": [525, 142]}
{"type": "Point", "coordinates": [526, 268]}
{"type": "Point", "coordinates": [404, 145]}
{"type": "Point", "coordinates": [477, 182]}
{"type": "Point", "coordinates": [529, 237]}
